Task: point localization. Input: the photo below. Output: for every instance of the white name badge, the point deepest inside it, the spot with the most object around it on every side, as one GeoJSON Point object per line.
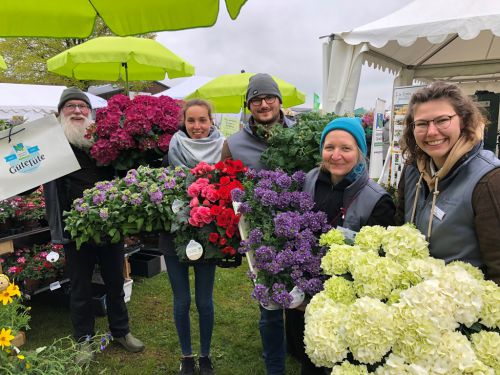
{"type": "Point", "coordinates": [439, 213]}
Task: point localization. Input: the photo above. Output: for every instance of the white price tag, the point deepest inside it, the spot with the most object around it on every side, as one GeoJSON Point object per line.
{"type": "Point", "coordinates": [177, 205]}
{"type": "Point", "coordinates": [194, 250]}
{"type": "Point", "coordinates": [52, 257]}
{"type": "Point", "coordinates": [55, 285]}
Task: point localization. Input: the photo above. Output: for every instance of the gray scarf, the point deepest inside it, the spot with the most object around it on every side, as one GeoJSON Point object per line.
{"type": "Point", "coordinates": [187, 152]}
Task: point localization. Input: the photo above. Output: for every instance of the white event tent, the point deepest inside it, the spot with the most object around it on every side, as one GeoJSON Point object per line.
{"type": "Point", "coordinates": [34, 101]}
{"type": "Point", "coordinates": [182, 87]}
{"type": "Point", "coordinates": [426, 40]}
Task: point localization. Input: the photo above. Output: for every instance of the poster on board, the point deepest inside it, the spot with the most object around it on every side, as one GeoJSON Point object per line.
{"type": "Point", "coordinates": [376, 153]}
{"type": "Point", "coordinates": [400, 100]}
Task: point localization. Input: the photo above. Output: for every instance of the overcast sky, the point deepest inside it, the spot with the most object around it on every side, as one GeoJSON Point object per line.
{"type": "Point", "coordinates": [281, 37]}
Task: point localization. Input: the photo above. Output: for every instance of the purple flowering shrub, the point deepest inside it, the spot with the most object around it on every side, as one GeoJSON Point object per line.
{"type": "Point", "coordinates": [139, 202]}
{"type": "Point", "coordinates": [283, 235]}
{"type": "Point", "coordinates": [129, 133]}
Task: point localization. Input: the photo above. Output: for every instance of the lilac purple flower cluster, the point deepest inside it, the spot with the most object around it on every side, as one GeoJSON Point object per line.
{"type": "Point", "coordinates": [283, 234]}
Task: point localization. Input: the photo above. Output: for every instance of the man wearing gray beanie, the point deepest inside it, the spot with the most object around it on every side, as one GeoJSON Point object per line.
{"type": "Point", "coordinates": [74, 115]}
{"type": "Point", "coordinates": [264, 101]}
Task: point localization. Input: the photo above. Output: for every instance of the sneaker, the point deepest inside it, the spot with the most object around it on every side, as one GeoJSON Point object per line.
{"type": "Point", "coordinates": [187, 366]}
{"type": "Point", "coordinates": [206, 367]}
{"type": "Point", "coordinates": [85, 354]}
{"type": "Point", "coordinates": [130, 343]}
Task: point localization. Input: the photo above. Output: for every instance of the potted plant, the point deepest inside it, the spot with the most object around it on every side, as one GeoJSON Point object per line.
{"type": "Point", "coordinates": [139, 202]}
{"type": "Point", "coordinates": [133, 132]}
{"type": "Point", "coordinates": [7, 211]}
{"type": "Point", "coordinates": [40, 264]}
{"type": "Point", "coordinates": [281, 236]}
{"type": "Point", "coordinates": [208, 222]}
{"type": "Point", "coordinates": [31, 209]}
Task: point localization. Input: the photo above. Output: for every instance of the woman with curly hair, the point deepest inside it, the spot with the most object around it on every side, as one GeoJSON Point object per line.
{"type": "Point", "coordinates": [450, 186]}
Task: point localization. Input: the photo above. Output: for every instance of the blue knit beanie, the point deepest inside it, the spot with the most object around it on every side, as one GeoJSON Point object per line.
{"type": "Point", "coordinates": [351, 125]}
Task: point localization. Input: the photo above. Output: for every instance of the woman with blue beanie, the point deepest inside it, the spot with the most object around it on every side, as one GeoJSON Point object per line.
{"type": "Point", "coordinates": [340, 187]}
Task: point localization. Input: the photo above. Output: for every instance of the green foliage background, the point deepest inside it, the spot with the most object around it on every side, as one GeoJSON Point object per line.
{"type": "Point", "coordinates": [297, 148]}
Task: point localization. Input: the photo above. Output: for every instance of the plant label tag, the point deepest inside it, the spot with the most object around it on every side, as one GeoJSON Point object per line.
{"type": "Point", "coordinates": [439, 213]}
{"type": "Point", "coordinates": [349, 235]}
{"type": "Point", "coordinates": [55, 285]}
{"type": "Point", "coordinates": [194, 250]}
{"type": "Point", "coordinates": [177, 205]}
{"type": "Point", "coordinates": [52, 257]}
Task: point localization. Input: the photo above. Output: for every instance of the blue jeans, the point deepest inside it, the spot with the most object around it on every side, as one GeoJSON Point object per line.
{"type": "Point", "coordinates": [272, 333]}
{"type": "Point", "coordinates": [178, 274]}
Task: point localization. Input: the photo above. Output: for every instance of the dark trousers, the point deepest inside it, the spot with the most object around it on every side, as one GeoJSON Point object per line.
{"type": "Point", "coordinates": [272, 334]}
{"type": "Point", "coordinates": [80, 265]}
{"type": "Point", "coordinates": [294, 326]}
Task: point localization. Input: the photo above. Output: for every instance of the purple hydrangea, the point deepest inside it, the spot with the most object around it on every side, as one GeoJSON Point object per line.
{"type": "Point", "coordinates": [299, 177]}
{"type": "Point", "coordinates": [98, 198]}
{"type": "Point", "coordinates": [156, 196]}
{"type": "Point", "coordinates": [284, 181]}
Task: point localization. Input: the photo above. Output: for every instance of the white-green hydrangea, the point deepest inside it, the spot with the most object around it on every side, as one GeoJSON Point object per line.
{"type": "Point", "coordinates": [394, 297]}
{"type": "Point", "coordinates": [318, 301]}
{"type": "Point", "coordinates": [378, 278]}
{"type": "Point", "coordinates": [347, 368]}
{"type": "Point", "coordinates": [427, 268]}
{"type": "Point", "coordinates": [404, 243]}
{"type": "Point", "coordinates": [368, 329]}
{"type": "Point", "coordinates": [369, 238]}
{"type": "Point", "coordinates": [339, 290]}
{"type": "Point", "coordinates": [361, 259]}
{"type": "Point", "coordinates": [474, 271]}
{"type": "Point", "coordinates": [463, 292]}
{"type": "Point", "coordinates": [486, 345]}
{"type": "Point", "coordinates": [323, 343]}
{"type": "Point", "coordinates": [336, 260]}
{"type": "Point", "coordinates": [428, 297]}
{"type": "Point", "coordinates": [453, 355]}
{"type": "Point", "coordinates": [396, 365]}
{"type": "Point", "coordinates": [332, 237]}
{"type": "Point", "coordinates": [416, 333]}
{"type": "Point", "coordinates": [490, 312]}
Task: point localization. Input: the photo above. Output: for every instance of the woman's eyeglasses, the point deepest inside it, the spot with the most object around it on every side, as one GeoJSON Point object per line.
{"type": "Point", "coordinates": [441, 122]}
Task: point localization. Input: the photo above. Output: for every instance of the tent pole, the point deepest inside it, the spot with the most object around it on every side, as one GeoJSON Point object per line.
{"type": "Point", "coordinates": [126, 78]}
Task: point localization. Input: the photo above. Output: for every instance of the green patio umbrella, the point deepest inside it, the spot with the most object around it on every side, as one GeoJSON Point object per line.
{"type": "Point", "coordinates": [227, 92]}
{"type": "Point", "coordinates": [111, 58]}
{"type": "Point", "coordinates": [2, 63]}
{"type": "Point", "coordinates": [76, 18]}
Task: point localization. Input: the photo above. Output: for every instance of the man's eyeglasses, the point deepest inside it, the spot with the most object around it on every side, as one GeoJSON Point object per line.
{"type": "Point", "coordinates": [441, 122]}
{"type": "Point", "coordinates": [269, 99]}
{"type": "Point", "coordinates": [72, 107]}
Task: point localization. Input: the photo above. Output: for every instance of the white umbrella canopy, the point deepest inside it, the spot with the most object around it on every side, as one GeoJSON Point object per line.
{"type": "Point", "coordinates": [424, 40]}
{"type": "Point", "coordinates": [184, 88]}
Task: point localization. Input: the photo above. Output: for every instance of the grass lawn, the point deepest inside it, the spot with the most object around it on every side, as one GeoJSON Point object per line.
{"type": "Point", "coordinates": [236, 347]}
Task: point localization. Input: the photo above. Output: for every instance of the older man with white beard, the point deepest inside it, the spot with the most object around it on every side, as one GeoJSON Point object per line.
{"type": "Point", "coordinates": [75, 116]}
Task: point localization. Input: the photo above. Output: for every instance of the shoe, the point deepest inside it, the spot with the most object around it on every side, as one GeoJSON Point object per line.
{"type": "Point", "coordinates": [130, 343]}
{"type": "Point", "coordinates": [187, 366]}
{"type": "Point", "coordinates": [206, 367]}
{"type": "Point", "coordinates": [85, 353]}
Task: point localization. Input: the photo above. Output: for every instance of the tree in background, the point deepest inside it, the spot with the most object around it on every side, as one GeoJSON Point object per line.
{"type": "Point", "coordinates": [26, 58]}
